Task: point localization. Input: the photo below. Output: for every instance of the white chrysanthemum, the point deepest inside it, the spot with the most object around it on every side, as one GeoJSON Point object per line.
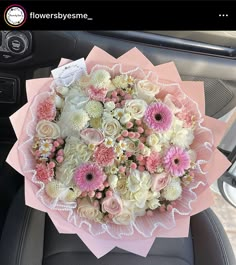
{"type": "Point", "coordinates": [71, 194]}
{"type": "Point", "coordinates": [173, 191]}
{"type": "Point", "coordinates": [78, 120]}
{"type": "Point", "coordinates": [54, 189]}
{"type": "Point", "coordinates": [100, 78]}
{"type": "Point", "coordinates": [94, 109]}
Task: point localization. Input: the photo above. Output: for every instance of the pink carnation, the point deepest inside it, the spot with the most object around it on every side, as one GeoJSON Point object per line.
{"type": "Point", "coordinates": [46, 110]}
{"type": "Point", "coordinates": [153, 161]}
{"type": "Point", "coordinates": [97, 94]}
{"type": "Point", "coordinates": [104, 156]}
{"type": "Point", "coordinates": [44, 172]}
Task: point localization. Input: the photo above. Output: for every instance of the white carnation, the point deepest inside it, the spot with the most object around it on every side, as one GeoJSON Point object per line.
{"type": "Point", "coordinates": [173, 191]}
{"type": "Point", "coordinates": [109, 105]}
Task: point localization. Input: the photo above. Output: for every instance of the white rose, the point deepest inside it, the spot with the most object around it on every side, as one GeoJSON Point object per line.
{"type": "Point", "coordinates": [136, 108]}
{"type": "Point", "coordinates": [47, 130]}
{"type": "Point", "coordinates": [146, 90]}
{"type": "Point", "coordinates": [125, 118]}
{"type": "Point", "coordinates": [125, 217]}
{"type": "Point", "coordinates": [111, 127]}
{"type": "Point", "coordinates": [109, 105]}
{"type": "Point", "coordinates": [63, 90]}
{"type": "Point", "coordinates": [87, 210]}
{"type": "Point", "coordinates": [146, 151]}
{"type": "Point", "coordinates": [121, 186]}
{"type": "Point", "coordinates": [152, 140]}
{"type": "Point", "coordinates": [130, 146]}
{"type": "Point", "coordinates": [153, 204]}
{"type": "Point", "coordinates": [113, 180]}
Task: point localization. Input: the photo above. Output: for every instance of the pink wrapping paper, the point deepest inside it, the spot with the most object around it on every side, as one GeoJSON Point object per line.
{"type": "Point", "coordinates": [101, 246]}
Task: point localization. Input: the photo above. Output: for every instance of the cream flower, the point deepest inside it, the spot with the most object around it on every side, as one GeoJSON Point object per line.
{"type": "Point", "coordinates": [100, 79]}
{"type": "Point", "coordinates": [125, 217]}
{"type": "Point", "coordinates": [146, 151]}
{"type": "Point", "coordinates": [138, 181]}
{"type": "Point", "coordinates": [59, 102]}
{"type": "Point", "coordinates": [153, 204]}
{"type": "Point", "coordinates": [130, 146]}
{"type": "Point", "coordinates": [109, 105]}
{"type": "Point", "coordinates": [146, 90]}
{"type": "Point", "coordinates": [111, 127]}
{"type": "Point", "coordinates": [136, 108]}
{"type": "Point", "coordinates": [94, 109]}
{"type": "Point", "coordinates": [63, 90]}
{"type": "Point", "coordinates": [141, 198]}
{"type": "Point", "coordinates": [183, 137]}
{"type": "Point", "coordinates": [54, 188]}
{"type": "Point", "coordinates": [173, 191]}
{"type": "Point", "coordinates": [113, 180]}
{"type": "Point", "coordinates": [125, 118]}
{"type": "Point", "coordinates": [118, 113]}
{"type": "Point", "coordinates": [47, 130]}
{"type": "Point", "coordinates": [71, 194]}
{"type": "Point", "coordinates": [121, 186]}
{"type": "Point", "coordinates": [152, 140]}
{"type": "Point", "coordinates": [87, 210]}
{"type": "Point", "coordinates": [78, 120]}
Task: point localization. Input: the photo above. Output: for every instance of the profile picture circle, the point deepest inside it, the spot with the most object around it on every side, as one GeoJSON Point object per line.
{"type": "Point", "coordinates": [15, 15]}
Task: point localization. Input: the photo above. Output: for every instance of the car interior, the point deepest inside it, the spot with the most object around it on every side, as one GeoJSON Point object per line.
{"type": "Point", "coordinates": [27, 236]}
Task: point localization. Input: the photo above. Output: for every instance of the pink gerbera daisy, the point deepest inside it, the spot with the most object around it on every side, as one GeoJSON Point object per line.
{"type": "Point", "coordinates": [176, 161]}
{"type": "Point", "coordinates": [158, 117]}
{"type": "Point", "coordinates": [46, 110]}
{"type": "Point", "coordinates": [104, 156]}
{"type": "Point", "coordinates": [89, 177]}
{"type": "Point", "coordinates": [153, 161]}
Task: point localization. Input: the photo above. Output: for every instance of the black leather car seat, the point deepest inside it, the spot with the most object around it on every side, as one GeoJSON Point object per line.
{"type": "Point", "coordinates": [30, 238]}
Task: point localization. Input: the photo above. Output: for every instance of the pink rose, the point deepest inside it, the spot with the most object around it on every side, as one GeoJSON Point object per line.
{"type": "Point", "coordinates": [92, 136]}
{"type": "Point", "coordinates": [112, 205]}
{"type": "Point", "coordinates": [160, 181]}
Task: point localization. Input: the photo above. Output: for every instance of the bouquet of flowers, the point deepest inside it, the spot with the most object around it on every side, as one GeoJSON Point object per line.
{"type": "Point", "coordinates": [117, 151]}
